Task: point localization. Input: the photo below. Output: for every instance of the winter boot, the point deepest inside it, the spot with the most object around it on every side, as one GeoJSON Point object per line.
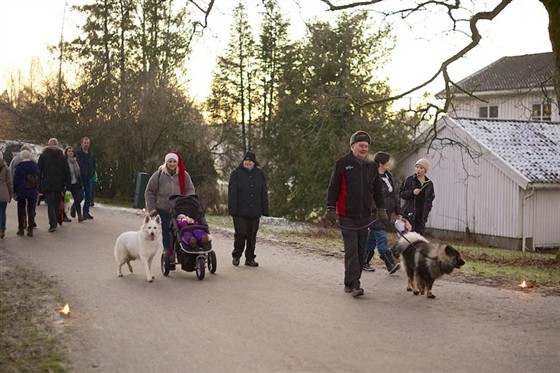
{"type": "Point", "coordinates": [29, 232]}
{"type": "Point", "coordinates": [390, 262]}
{"type": "Point", "coordinates": [366, 266]}
{"type": "Point", "coordinates": [65, 219]}
{"type": "Point", "coordinates": [20, 231]}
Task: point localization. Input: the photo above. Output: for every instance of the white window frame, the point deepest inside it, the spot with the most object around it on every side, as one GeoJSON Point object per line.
{"type": "Point", "coordinates": [538, 111]}
{"type": "Point", "coordinates": [489, 111]}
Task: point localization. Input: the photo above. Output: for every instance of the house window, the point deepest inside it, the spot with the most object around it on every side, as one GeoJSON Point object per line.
{"type": "Point", "coordinates": [488, 112]}
{"type": "Point", "coordinates": [542, 111]}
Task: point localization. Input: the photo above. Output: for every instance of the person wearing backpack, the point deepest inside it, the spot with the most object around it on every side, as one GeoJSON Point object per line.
{"type": "Point", "coordinates": [6, 193]}
{"type": "Point", "coordinates": [26, 191]}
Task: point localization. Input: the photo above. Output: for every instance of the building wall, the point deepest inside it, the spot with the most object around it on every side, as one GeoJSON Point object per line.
{"type": "Point", "coordinates": [511, 105]}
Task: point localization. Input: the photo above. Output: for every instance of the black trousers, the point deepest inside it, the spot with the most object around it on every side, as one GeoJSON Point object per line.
{"type": "Point", "coordinates": [245, 236]}
{"type": "Point", "coordinates": [26, 212]}
{"type": "Point", "coordinates": [355, 241]}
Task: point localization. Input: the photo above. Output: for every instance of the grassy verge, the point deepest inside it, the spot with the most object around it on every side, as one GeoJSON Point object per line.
{"type": "Point", "coordinates": [29, 326]}
{"type": "Point", "coordinates": [485, 265]}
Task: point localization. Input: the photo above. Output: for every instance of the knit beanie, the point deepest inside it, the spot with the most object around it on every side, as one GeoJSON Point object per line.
{"type": "Point", "coordinates": [25, 147]}
{"type": "Point", "coordinates": [424, 163]}
{"type": "Point", "coordinates": [381, 157]}
{"type": "Point", "coordinates": [25, 155]}
{"type": "Point", "coordinates": [251, 156]}
{"type": "Point", "coordinates": [53, 142]}
{"type": "Point", "coordinates": [360, 136]}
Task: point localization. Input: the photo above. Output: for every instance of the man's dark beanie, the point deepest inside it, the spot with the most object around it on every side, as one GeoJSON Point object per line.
{"type": "Point", "coordinates": [360, 136]}
{"type": "Point", "coordinates": [250, 156]}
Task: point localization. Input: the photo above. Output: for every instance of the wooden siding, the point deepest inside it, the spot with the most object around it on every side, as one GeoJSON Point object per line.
{"type": "Point", "coordinates": [542, 214]}
{"type": "Point", "coordinates": [511, 105]}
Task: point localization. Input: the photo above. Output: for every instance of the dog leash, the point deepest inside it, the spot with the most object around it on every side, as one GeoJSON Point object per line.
{"type": "Point", "coordinates": [335, 222]}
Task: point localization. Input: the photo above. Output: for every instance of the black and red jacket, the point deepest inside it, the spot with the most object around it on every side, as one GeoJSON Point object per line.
{"type": "Point", "coordinates": [353, 187]}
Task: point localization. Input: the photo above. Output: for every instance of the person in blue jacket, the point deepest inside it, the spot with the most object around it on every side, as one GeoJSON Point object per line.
{"type": "Point", "coordinates": [26, 191]}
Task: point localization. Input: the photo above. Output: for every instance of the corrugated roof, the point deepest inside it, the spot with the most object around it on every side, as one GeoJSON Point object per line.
{"type": "Point", "coordinates": [531, 148]}
{"type": "Point", "coordinates": [511, 73]}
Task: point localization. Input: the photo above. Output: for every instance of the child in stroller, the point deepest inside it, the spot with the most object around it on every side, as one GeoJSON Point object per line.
{"type": "Point", "coordinates": [190, 238]}
{"type": "Point", "coordinates": [194, 238]}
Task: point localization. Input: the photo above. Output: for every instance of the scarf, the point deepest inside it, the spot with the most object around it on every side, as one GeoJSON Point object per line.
{"type": "Point", "coordinates": [74, 169]}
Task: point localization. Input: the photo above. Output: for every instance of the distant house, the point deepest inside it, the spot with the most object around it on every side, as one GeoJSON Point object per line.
{"type": "Point", "coordinates": [497, 181]}
{"type": "Point", "coordinates": [515, 87]}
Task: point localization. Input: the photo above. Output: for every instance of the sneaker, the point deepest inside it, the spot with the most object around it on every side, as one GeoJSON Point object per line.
{"type": "Point", "coordinates": [235, 261]}
{"type": "Point", "coordinates": [368, 267]}
{"type": "Point", "coordinates": [347, 289]}
{"type": "Point", "coordinates": [357, 292]}
{"type": "Point", "coordinates": [66, 220]}
{"type": "Point", "coordinates": [395, 268]}
{"type": "Point", "coordinates": [88, 216]}
{"type": "Point", "coordinates": [52, 229]}
{"type": "Point", "coordinates": [251, 263]}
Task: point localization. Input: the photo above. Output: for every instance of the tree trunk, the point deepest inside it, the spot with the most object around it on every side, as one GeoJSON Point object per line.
{"type": "Point", "coordinates": [553, 9]}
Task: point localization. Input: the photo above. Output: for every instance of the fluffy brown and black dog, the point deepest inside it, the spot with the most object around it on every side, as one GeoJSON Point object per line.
{"type": "Point", "coordinates": [424, 262]}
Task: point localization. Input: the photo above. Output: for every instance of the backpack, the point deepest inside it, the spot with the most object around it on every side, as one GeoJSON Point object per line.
{"type": "Point", "coordinates": [31, 181]}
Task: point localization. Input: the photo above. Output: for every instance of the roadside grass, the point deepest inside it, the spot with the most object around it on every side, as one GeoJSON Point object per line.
{"type": "Point", "coordinates": [500, 266]}
{"type": "Point", "coordinates": [29, 329]}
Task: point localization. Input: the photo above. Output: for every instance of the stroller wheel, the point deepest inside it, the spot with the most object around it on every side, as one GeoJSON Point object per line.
{"type": "Point", "coordinates": [164, 264]}
{"type": "Point", "coordinates": [212, 262]}
{"type": "Point", "coordinates": [200, 267]}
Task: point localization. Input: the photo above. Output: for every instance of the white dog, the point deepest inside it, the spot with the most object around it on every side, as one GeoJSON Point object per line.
{"type": "Point", "coordinates": [142, 244]}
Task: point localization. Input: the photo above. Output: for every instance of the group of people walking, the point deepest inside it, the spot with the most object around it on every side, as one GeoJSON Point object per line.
{"type": "Point", "coordinates": [362, 197]}
{"type": "Point", "coordinates": [56, 171]}
{"type": "Point", "coordinates": [247, 201]}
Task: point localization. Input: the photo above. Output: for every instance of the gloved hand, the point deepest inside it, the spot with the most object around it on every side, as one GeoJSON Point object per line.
{"type": "Point", "coordinates": [382, 215]}
{"type": "Point", "coordinates": [330, 216]}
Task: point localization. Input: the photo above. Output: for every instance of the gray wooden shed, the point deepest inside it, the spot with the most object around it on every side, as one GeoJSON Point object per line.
{"type": "Point", "coordinates": [497, 181]}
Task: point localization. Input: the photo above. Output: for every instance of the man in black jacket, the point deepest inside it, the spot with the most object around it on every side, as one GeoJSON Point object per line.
{"type": "Point", "coordinates": [354, 185]}
{"type": "Point", "coordinates": [55, 178]}
{"type": "Point", "coordinates": [247, 202]}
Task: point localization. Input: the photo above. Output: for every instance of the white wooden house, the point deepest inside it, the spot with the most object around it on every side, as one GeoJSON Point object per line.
{"type": "Point", "coordinates": [496, 181]}
{"type": "Point", "coordinates": [514, 87]}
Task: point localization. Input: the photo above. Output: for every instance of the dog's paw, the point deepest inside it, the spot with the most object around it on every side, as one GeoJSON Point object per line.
{"type": "Point", "coordinates": [120, 275]}
{"type": "Point", "coordinates": [430, 296]}
{"type": "Point", "coordinates": [408, 289]}
{"type": "Point", "coordinates": [415, 292]}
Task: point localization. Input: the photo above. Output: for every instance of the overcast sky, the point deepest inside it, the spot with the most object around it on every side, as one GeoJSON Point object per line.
{"type": "Point", "coordinates": [27, 27]}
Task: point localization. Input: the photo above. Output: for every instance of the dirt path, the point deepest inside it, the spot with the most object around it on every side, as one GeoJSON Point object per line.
{"type": "Point", "coordinates": [289, 314]}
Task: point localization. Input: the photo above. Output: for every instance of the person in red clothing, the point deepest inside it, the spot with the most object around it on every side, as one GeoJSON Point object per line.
{"type": "Point", "coordinates": [354, 186]}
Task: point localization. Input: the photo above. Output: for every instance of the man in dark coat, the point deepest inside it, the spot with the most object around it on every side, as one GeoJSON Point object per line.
{"type": "Point", "coordinates": [55, 178]}
{"type": "Point", "coordinates": [86, 161]}
{"type": "Point", "coordinates": [247, 202]}
{"type": "Point", "coordinates": [353, 187]}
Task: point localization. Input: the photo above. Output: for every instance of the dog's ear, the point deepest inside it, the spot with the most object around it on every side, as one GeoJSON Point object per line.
{"type": "Point", "coordinates": [450, 251]}
{"type": "Point", "coordinates": [146, 219]}
{"type": "Point", "coordinates": [158, 219]}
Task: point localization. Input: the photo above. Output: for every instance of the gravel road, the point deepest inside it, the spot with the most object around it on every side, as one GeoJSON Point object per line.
{"type": "Point", "coordinates": [289, 314]}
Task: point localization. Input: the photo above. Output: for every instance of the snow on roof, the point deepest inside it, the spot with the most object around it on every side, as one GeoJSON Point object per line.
{"type": "Point", "coordinates": [531, 148]}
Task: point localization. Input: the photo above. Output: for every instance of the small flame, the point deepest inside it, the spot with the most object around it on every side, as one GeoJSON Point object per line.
{"type": "Point", "coordinates": [523, 284]}
{"type": "Point", "coordinates": [66, 309]}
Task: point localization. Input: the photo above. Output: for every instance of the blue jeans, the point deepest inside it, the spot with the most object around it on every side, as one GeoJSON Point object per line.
{"type": "Point", "coordinates": [3, 206]}
{"type": "Point", "coordinates": [165, 225]}
{"type": "Point", "coordinates": [87, 195]}
{"type": "Point", "coordinates": [377, 238]}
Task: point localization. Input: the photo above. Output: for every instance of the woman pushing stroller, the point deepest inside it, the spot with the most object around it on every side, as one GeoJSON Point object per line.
{"type": "Point", "coordinates": [169, 179]}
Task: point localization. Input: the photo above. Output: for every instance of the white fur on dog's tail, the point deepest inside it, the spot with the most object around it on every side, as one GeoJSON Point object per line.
{"type": "Point", "coordinates": [406, 240]}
